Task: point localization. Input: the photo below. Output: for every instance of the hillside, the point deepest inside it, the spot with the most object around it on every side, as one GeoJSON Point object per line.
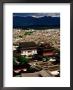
{"type": "Point", "coordinates": [33, 22]}
{"type": "Point", "coordinates": [51, 36]}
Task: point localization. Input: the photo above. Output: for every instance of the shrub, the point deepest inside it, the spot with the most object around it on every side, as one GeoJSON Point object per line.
{"type": "Point", "coordinates": [14, 61]}
{"type": "Point", "coordinates": [20, 36]}
{"type": "Point", "coordinates": [23, 59]}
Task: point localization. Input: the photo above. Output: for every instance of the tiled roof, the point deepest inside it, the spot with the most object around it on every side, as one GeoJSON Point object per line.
{"type": "Point", "coordinates": [27, 45]}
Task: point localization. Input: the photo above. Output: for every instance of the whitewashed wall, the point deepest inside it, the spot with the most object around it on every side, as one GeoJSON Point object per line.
{"type": "Point", "coordinates": [27, 53]}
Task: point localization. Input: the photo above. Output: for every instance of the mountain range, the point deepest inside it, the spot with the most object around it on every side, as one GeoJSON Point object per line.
{"type": "Point", "coordinates": [36, 22]}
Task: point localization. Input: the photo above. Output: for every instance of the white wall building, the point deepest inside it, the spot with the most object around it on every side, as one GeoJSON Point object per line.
{"type": "Point", "coordinates": [28, 48]}
{"type": "Point", "coordinates": [29, 52]}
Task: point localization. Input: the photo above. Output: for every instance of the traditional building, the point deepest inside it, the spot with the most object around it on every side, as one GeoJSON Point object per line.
{"type": "Point", "coordinates": [46, 50]}
{"type": "Point", "coordinates": [27, 48]}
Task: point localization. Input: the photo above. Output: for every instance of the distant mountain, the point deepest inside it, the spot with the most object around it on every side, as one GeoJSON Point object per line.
{"type": "Point", "coordinates": [34, 22]}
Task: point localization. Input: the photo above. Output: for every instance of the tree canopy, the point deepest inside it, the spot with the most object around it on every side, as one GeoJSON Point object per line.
{"type": "Point", "coordinates": [23, 59]}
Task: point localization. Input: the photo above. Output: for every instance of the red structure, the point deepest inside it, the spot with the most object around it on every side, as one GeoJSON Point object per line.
{"type": "Point", "coordinates": [47, 53]}
{"type": "Point", "coordinates": [46, 50]}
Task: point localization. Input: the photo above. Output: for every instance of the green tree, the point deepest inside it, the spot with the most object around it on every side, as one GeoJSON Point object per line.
{"type": "Point", "coordinates": [14, 61]}
{"type": "Point", "coordinates": [23, 59]}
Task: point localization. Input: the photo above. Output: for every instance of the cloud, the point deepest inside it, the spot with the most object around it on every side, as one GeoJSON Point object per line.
{"type": "Point", "coordinates": [37, 15]}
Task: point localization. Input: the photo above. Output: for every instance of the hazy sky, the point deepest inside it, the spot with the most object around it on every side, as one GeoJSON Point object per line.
{"type": "Point", "coordinates": [36, 14]}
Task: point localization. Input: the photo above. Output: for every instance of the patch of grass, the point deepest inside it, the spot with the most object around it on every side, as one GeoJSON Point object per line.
{"type": "Point", "coordinates": [28, 33]}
